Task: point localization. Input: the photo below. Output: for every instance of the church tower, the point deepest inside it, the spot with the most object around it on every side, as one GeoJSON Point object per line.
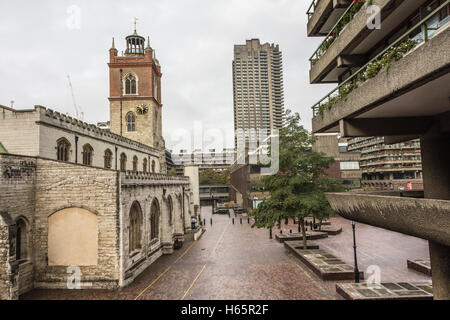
{"type": "Point", "coordinates": [135, 94]}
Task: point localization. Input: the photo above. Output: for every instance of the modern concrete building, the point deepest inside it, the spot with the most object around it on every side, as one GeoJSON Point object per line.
{"type": "Point", "coordinates": [388, 167]}
{"type": "Point", "coordinates": [257, 88]}
{"type": "Point", "coordinates": [346, 166]}
{"type": "Point", "coordinates": [216, 160]}
{"type": "Point", "coordinates": [393, 82]}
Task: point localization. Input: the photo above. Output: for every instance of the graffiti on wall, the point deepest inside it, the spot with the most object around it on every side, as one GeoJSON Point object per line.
{"type": "Point", "coordinates": [23, 169]}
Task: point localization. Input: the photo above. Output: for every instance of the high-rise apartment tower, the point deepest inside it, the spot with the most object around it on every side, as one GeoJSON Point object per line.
{"type": "Point", "coordinates": [257, 87]}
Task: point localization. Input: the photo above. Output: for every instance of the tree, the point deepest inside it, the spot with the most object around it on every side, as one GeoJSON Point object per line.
{"type": "Point", "coordinates": [210, 176]}
{"type": "Point", "coordinates": [298, 189]}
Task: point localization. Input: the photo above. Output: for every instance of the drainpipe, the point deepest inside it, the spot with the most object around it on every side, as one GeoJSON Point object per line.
{"type": "Point", "coordinates": [183, 211]}
{"type": "Point", "coordinates": [76, 149]}
{"type": "Point", "coordinates": [121, 97]}
{"type": "Point", "coordinates": [115, 157]}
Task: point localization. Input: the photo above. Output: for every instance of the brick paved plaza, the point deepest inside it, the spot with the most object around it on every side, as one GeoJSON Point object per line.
{"type": "Point", "coordinates": [238, 262]}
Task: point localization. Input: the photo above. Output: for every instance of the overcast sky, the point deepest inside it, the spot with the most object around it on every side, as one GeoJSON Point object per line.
{"type": "Point", "coordinates": [41, 44]}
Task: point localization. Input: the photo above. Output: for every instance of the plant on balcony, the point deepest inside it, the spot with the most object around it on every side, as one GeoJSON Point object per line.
{"type": "Point", "coordinates": [298, 189]}
{"type": "Point", "coordinates": [346, 18]}
{"type": "Point", "coordinates": [372, 69]}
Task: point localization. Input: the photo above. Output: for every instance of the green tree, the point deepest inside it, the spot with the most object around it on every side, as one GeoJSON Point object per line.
{"type": "Point", "coordinates": [298, 189]}
{"type": "Point", "coordinates": [210, 177]}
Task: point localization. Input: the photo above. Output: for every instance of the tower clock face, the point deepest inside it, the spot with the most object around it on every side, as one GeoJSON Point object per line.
{"type": "Point", "coordinates": [142, 109]}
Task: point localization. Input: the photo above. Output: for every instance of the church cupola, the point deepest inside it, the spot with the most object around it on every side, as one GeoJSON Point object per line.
{"type": "Point", "coordinates": [135, 43]}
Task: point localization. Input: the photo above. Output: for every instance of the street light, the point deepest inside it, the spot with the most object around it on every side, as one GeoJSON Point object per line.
{"type": "Point", "coordinates": [354, 252]}
{"type": "Point", "coordinates": [212, 201]}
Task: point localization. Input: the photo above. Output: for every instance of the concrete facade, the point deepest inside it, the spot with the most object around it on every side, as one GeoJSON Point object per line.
{"type": "Point", "coordinates": [346, 166]}
{"type": "Point", "coordinates": [258, 91]}
{"type": "Point", "coordinates": [406, 99]}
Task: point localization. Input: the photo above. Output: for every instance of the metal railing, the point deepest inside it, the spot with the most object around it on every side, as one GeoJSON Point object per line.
{"type": "Point", "coordinates": [425, 30]}
{"type": "Point", "coordinates": [333, 34]}
{"type": "Point", "coordinates": [312, 8]}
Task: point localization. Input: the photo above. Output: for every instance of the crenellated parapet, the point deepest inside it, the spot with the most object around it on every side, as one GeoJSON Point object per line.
{"type": "Point", "coordinates": [131, 178]}
{"type": "Point", "coordinates": [55, 118]}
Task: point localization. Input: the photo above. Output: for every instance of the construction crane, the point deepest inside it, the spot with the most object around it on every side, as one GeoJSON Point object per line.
{"type": "Point", "coordinates": [78, 112]}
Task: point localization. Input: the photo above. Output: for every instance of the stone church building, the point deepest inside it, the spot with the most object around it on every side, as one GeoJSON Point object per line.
{"type": "Point", "coordinates": [81, 202]}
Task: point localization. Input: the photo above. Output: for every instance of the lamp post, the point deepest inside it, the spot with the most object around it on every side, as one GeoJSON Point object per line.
{"type": "Point", "coordinates": [212, 202]}
{"type": "Point", "coordinates": [354, 252]}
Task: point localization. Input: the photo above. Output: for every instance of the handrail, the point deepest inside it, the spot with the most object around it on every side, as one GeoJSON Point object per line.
{"type": "Point", "coordinates": [316, 106]}
{"type": "Point", "coordinates": [314, 4]}
{"type": "Point", "coordinates": [317, 54]}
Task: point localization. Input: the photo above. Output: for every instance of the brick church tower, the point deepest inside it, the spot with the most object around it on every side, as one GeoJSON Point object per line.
{"type": "Point", "coordinates": [135, 94]}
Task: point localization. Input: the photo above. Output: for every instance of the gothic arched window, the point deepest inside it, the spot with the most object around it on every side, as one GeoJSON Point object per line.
{"type": "Point", "coordinates": [170, 205]}
{"type": "Point", "coordinates": [130, 84]}
{"type": "Point", "coordinates": [153, 166]}
{"type": "Point", "coordinates": [145, 165]}
{"type": "Point", "coordinates": [123, 162]}
{"type": "Point", "coordinates": [87, 155]}
{"type": "Point", "coordinates": [131, 122]}
{"type": "Point", "coordinates": [21, 240]}
{"type": "Point", "coordinates": [154, 220]}
{"type": "Point", "coordinates": [135, 164]}
{"type": "Point", "coordinates": [63, 147]}
{"type": "Point", "coordinates": [108, 159]}
{"type": "Point", "coordinates": [135, 231]}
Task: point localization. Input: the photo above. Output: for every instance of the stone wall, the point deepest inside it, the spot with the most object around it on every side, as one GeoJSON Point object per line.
{"type": "Point", "coordinates": [25, 142]}
{"type": "Point", "coordinates": [41, 128]}
{"type": "Point", "coordinates": [60, 186]}
{"type": "Point", "coordinates": [145, 190]}
{"type": "Point", "coordinates": [17, 200]}
{"type": "Point", "coordinates": [36, 190]}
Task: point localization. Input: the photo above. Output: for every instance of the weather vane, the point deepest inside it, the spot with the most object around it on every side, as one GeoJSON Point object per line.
{"type": "Point", "coordinates": [135, 23]}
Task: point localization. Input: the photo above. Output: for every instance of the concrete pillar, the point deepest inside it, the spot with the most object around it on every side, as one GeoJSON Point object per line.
{"type": "Point", "coordinates": [436, 179]}
{"type": "Point", "coordinates": [440, 268]}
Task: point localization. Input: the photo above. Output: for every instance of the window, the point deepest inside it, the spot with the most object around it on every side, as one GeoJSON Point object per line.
{"type": "Point", "coordinates": [130, 84]}
{"type": "Point", "coordinates": [135, 164]}
{"type": "Point", "coordinates": [87, 155]}
{"type": "Point", "coordinates": [153, 166]}
{"type": "Point", "coordinates": [350, 165]}
{"type": "Point", "coordinates": [108, 159]}
{"type": "Point", "coordinates": [131, 122]}
{"type": "Point", "coordinates": [63, 147]}
{"type": "Point", "coordinates": [170, 207]}
{"type": "Point", "coordinates": [145, 165]}
{"type": "Point", "coordinates": [22, 240]}
{"type": "Point", "coordinates": [135, 230]}
{"type": "Point", "coordinates": [123, 162]}
{"type": "Point", "coordinates": [154, 220]}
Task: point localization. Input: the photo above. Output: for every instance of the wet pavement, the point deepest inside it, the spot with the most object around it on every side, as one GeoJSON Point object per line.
{"type": "Point", "coordinates": [238, 262]}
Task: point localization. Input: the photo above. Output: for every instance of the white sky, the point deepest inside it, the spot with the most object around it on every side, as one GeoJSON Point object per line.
{"type": "Point", "coordinates": [193, 40]}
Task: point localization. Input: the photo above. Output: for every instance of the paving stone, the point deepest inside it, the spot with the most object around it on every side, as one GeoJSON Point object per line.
{"type": "Point", "coordinates": [392, 291]}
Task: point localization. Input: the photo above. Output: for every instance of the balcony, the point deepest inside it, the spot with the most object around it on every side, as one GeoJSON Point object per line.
{"type": "Point", "coordinates": [323, 15]}
{"type": "Point", "coordinates": [407, 80]}
{"type": "Point", "coordinates": [350, 43]}
{"type": "Point", "coordinates": [399, 214]}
